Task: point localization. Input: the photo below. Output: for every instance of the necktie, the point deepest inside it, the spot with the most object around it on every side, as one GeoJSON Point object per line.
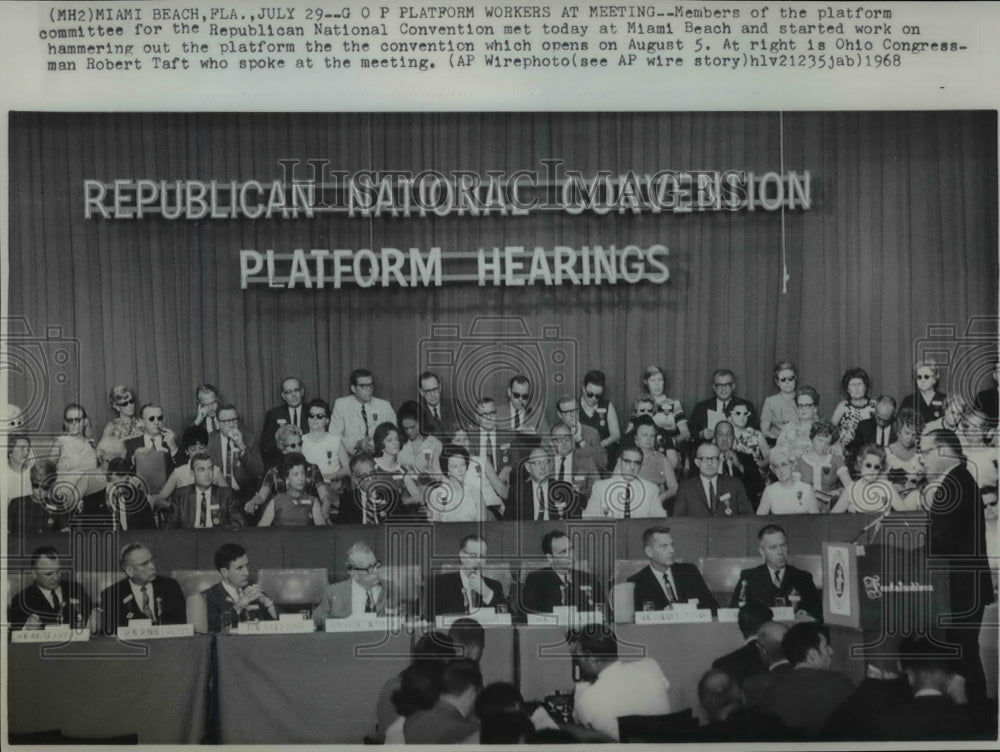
{"type": "Point", "coordinates": [145, 604]}
{"type": "Point", "coordinates": [539, 503]}
{"type": "Point", "coordinates": [669, 587]}
{"type": "Point", "coordinates": [517, 419]}
{"type": "Point", "coordinates": [627, 512]}
{"type": "Point", "coordinates": [203, 511]}
{"type": "Point", "coordinates": [489, 451]}
{"type": "Point", "coordinates": [295, 416]}
{"type": "Point", "coordinates": [562, 466]}
{"type": "Point", "coordinates": [56, 602]}
{"type": "Point", "coordinates": [369, 603]}
{"type": "Point", "coordinates": [436, 412]}
{"type": "Point", "coordinates": [777, 578]}
{"type": "Point", "coordinates": [118, 505]}
{"type": "Point", "coordinates": [712, 496]}
{"type": "Point", "coordinates": [364, 417]}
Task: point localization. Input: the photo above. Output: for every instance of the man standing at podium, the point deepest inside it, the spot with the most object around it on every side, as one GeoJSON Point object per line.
{"type": "Point", "coordinates": [776, 582]}
{"type": "Point", "coordinates": [958, 542]}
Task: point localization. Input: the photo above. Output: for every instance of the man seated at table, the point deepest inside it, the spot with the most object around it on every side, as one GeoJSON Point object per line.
{"type": "Point", "coordinates": [776, 581]}
{"type": "Point", "coordinates": [232, 599]}
{"type": "Point", "coordinates": [142, 594]}
{"type": "Point", "coordinates": [807, 694]}
{"type": "Point", "coordinates": [449, 721]}
{"type": "Point", "coordinates": [610, 688]}
{"type": "Point", "coordinates": [560, 583]}
{"type": "Point", "coordinates": [748, 659]}
{"type": "Point", "coordinates": [204, 504]}
{"type": "Point", "coordinates": [626, 495]}
{"type": "Point", "coordinates": [467, 589]}
{"type": "Point", "coordinates": [664, 582]}
{"type": "Point", "coordinates": [50, 599]}
{"type": "Point", "coordinates": [363, 593]}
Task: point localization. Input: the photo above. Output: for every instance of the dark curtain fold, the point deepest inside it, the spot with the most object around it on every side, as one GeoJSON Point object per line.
{"type": "Point", "coordinates": [902, 234]}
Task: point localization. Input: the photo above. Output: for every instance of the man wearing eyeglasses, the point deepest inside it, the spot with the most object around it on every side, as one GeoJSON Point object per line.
{"type": "Point", "coordinates": [356, 416]}
{"type": "Point", "coordinates": [586, 439]}
{"type": "Point", "coordinates": [711, 494]}
{"type": "Point", "coordinates": [436, 416]}
{"type": "Point", "coordinates": [292, 412]}
{"type": "Point", "coordinates": [709, 412]}
{"type": "Point", "coordinates": [468, 589]}
{"type": "Point", "coordinates": [879, 430]}
{"type": "Point", "coordinates": [519, 414]}
{"type": "Point", "coordinates": [155, 454]}
{"type": "Point", "coordinates": [626, 495]}
{"type": "Point", "coordinates": [206, 408]}
{"type": "Point", "coordinates": [363, 593]}
{"type": "Point", "coordinates": [142, 594]}
{"type": "Point", "coordinates": [235, 455]}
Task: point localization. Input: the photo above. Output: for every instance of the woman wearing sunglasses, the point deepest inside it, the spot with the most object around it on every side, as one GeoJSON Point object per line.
{"type": "Point", "coordinates": [927, 399]}
{"type": "Point", "coordinates": [125, 424]}
{"type": "Point", "coordinates": [872, 491]}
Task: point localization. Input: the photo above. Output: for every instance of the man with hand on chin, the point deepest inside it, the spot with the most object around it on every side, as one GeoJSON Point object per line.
{"type": "Point", "coordinates": [238, 459]}
{"type": "Point", "coordinates": [232, 595]}
{"type": "Point", "coordinates": [467, 589]}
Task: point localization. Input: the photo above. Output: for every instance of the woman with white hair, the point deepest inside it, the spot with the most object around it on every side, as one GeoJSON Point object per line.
{"type": "Point", "coordinates": [788, 495]}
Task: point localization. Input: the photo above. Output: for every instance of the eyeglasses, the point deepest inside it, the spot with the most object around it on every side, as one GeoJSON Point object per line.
{"type": "Point", "coordinates": [805, 404]}
{"type": "Point", "coordinates": [740, 414]}
{"type": "Point", "coordinates": [520, 395]}
{"type": "Point", "coordinates": [571, 411]}
{"type": "Point", "coordinates": [125, 402]}
{"type": "Point", "coordinates": [539, 461]}
{"type": "Point", "coordinates": [872, 466]}
{"type": "Point", "coordinates": [155, 418]}
{"type": "Point", "coordinates": [370, 570]}
{"type": "Point", "coordinates": [714, 458]}
{"type": "Point", "coordinates": [317, 416]}
{"type": "Point", "coordinates": [562, 437]}
{"type": "Point", "coordinates": [922, 376]}
{"type": "Point", "coordinates": [990, 504]}
{"type": "Point", "coordinates": [593, 395]}
{"type": "Point", "coordinates": [723, 384]}
{"type": "Point", "coordinates": [786, 379]}
{"type": "Point", "coordinates": [431, 391]}
{"type": "Point", "coordinates": [229, 420]}
{"type": "Point", "coordinates": [296, 390]}
{"type": "Point", "coordinates": [74, 420]}
{"type": "Point", "coordinates": [294, 445]}
{"type": "Point", "coordinates": [369, 385]}
{"type": "Point", "coordinates": [486, 413]}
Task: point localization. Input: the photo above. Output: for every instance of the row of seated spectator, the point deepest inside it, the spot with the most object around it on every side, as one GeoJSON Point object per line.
{"type": "Point", "coordinates": [360, 467]}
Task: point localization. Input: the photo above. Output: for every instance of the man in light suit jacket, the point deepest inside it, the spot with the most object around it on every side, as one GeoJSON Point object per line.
{"type": "Point", "coordinates": [142, 594]}
{"type": "Point", "coordinates": [356, 416]}
{"type": "Point", "coordinates": [665, 582]}
{"type": "Point", "coordinates": [204, 505]}
{"type": "Point", "coordinates": [711, 494]}
{"type": "Point", "coordinates": [625, 496]}
{"type": "Point", "coordinates": [233, 595]}
{"type": "Point", "coordinates": [293, 412]}
{"type": "Point", "coordinates": [362, 593]}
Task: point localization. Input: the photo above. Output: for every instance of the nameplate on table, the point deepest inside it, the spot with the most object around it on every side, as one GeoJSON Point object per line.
{"type": "Point", "coordinates": [364, 624]}
{"type": "Point", "coordinates": [293, 626]}
{"type": "Point", "coordinates": [783, 613]}
{"type": "Point", "coordinates": [728, 614]}
{"type": "Point", "coordinates": [673, 616]}
{"type": "Point", "coordinates": [565, 616]}
{"type": "Point", "coordinates": [486, 618]}
{"type": "Point", "coordinates": [149, 631]}
{"type": "Point", "coordinates": [62, 633]}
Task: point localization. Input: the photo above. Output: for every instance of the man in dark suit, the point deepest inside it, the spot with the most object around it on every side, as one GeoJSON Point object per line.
{"type": "Point", "coordinates": [736, 464]}
{"type": "Point", "coordinates": [123, 504]}
{"type": "Point", "coordinates": [805, 696]}
{"type": "Point", "coordinates": [729, 718]}
{"type": "Point", "coordinates": [749, 659]}
{"type": "Point", "coordinates": [573, 464]}
{"type": "Point", "coordinates": [586, 439]}
{"type": "Point", "coordinates": [44, 511]}
{"type": "Point", "coordinates": [559, 584]}
{"type": "Point", "coordinates": [467, 589]}
{"type": "Point", "coordinates": [142, 594]}
{"type": "Point", "coordinates": [519, 415]}
{"type": "Point", "coordinates": [204, 505]}
{"type": "Point", "coordinates": [879, 430]}
{"type": "Point", "coordinates": [537, 495]}
{"type": "Point", "coordinates": [437, 418]}
{"type": "Point", "coordinates": [155, 454]}
{"type": "Point", "coordinates": [664, 582]}
{"type": "Point", "coordinates": [233, 596]}
{"type": "Point", "coordinates": [363, 592]}
{"type": "Point", "coordinates": [710, 494]}
{"type": "Point", "coordinates": [937, 709]}
{"type": "Point", "coordinates": [292, 412]}
{"type": "Point", "coordinates": [50, 599]}
{"type": "Point", "coordinates": [373, 498]}
{"type": "Point", "coordinates": [957, 545]}
{"type": "Point", "coordinates": [206, 409]}
{"type": "Point", "coordinates": [987, 401]}
{"type": "Point", "coordinates": [776, 578]}
{"type": "Point", "coordinates": [708, 412]}
{"type": "Point", "coordinates": [238, 459]}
